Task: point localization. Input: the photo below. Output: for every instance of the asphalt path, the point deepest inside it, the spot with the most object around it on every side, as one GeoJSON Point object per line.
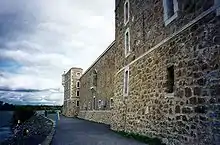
{"type": "Point", "coordinates": [73, 131]}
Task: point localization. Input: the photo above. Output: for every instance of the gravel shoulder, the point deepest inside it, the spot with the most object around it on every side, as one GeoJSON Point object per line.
{"type": "Point", "coordinates": [38, 129]}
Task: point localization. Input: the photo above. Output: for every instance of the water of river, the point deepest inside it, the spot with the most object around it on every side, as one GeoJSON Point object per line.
{"type": "Point", "coordinates": [5, 119]}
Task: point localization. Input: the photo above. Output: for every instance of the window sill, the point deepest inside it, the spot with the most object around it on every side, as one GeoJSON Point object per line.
{"type": "Point", "coordinates": [125, 23]}
{"type": "Point", "coordinates": [168, 21]}
{"type": "Point", "coordinates": [169, 95]}
{"type": "Point", "coordinates": [126, 55]}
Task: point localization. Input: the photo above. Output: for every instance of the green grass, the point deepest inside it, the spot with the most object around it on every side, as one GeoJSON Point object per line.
{"type": "Point", "coordinates": [141, 138]}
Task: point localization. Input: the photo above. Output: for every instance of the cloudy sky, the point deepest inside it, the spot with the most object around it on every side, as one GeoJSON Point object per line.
{"type": "Point", "coordinates": [39, 39]}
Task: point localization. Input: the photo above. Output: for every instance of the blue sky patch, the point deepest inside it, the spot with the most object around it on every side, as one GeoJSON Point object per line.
{"type": "Point", "coordinates": [8, 65]}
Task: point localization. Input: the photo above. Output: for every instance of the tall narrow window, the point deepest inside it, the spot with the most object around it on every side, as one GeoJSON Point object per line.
{"type": "Point", "coordinates": [94, 78]}
{"type": "Point", "coordinates": [217, 3]}
{"type": "Point", "coordinates": [170, 6]}
{"type": "Point", "coordinates": [94, 104]}
{"type": "Point", "coordinates": [77, 93]}
{"type": "Point", "coordinates": [170, 10]}
{"type": "Point", "coordinates": [170, 79]}
{"type": "Point", "coordinates": [77, 84]}
{"type": "Point", "coordinates": [100, 104]}
{"type": "Point", "coordinates": [77, 103]}
{"type": "Point", "coordinates": [111, 102]}
{"type": "Point", "coordinates": [127, 42]}
{"type": "Point", "coordinates": [126, 12]}
{"type": "Point", "coordinates": [89, 106]}
{"type": "Point", "coordinates": [126, 81]}
{"type": "Point", "coordinates": [104, 104]}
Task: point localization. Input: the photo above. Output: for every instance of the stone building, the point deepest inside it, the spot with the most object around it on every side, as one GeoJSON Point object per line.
{"type": "Point", "coordinates": [97, 84]}
{"type": "Point", "coordinates": [161, 75]}
{"type": "Point", "coordinates": [71, 84]}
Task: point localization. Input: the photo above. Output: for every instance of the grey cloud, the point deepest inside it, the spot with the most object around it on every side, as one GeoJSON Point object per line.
{"type": "Point", "coordinates": [31, 97]}
{"type": "Point", "coordinates": [49, 36]}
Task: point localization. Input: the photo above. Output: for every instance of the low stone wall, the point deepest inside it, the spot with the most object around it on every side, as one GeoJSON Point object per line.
{"type": "Point", "coordinates": [49, 137]}
{"type": "Point", "coordinates": [96, 116]}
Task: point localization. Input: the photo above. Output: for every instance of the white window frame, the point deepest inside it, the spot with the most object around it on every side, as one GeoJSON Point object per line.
{"type": "Point", "coordinates": [127, 50]}
{"type": "Point", "coordinates": [217, 4]}
{"type": "Point", "coordinates": [111, 104]}
{"type": "Point", "coordinates": [165, 8]}
{"type": "Point", "coordinates": [103, 102]}
{"type": "Point", "coordinates": [126, 21]}
{"type": "Point", "coordinates": [99, 104]}
{"type": "Point", "coordinates": [126, 93]}
{"type": "Point", "coordinates": [77, 84]}
{"type": "Point", "coordinates": [76, 93]}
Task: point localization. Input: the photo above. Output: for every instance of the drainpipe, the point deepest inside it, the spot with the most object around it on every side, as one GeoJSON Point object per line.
{"type": "Point", "coordinates": [125, 113]}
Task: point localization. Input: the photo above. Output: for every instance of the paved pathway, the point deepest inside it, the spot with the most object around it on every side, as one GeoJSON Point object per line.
{"type": "Point", "coordinates": [71, 131]}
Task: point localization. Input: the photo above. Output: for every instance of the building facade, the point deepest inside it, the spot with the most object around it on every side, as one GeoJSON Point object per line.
{"type": "Point", "coordinates": [97, 84]}
{"type": "Point", "coordinates": [71, 84]}
{"type": "Point", "coordinates": [161, 75]}
{"type": "Point", "coordinates": [168, 56]}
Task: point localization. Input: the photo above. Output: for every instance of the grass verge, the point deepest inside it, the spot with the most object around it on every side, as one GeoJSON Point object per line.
{"type": "Point", "coordinates": [141, 138]}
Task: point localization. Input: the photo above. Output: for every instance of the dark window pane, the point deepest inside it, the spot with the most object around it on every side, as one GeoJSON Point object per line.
{"type": "Point", "coordinates": [170, 81]}
{"type": "Point", "coordinates": [126, 82]}
{"type": "Point", "coordinates": [77, 93]}
{"type": "Point", "coordinates": [127, 42]}
{"type": "Point", "coordinates": [170, 7]}
{"type": "Point", "coordinates": [94, 103]}
{"type": "Point", "coordinates": [126, 12]}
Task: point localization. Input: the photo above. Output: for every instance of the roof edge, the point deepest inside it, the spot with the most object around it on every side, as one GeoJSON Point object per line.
{"type": "Point", "coordinates": [71, 69]}
{"type": "Point", "coordinates": [108, 48]}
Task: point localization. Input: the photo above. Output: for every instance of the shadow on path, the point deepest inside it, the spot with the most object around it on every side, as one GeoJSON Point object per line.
{"type": "Point", "coordinates": [73, 131]}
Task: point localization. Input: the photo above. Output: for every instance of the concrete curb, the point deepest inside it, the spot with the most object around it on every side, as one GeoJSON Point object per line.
{"type": "Point", "coordinates": [49, 138]}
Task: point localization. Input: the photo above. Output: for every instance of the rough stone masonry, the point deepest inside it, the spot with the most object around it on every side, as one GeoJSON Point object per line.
{"type": "Point", "coordinates": [161, 75]}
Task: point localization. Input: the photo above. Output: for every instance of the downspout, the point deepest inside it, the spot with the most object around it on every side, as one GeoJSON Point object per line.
{"type": "Point", "coordinates": [125, 115]}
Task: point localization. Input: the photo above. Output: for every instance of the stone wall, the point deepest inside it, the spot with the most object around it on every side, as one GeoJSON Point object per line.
{"type": "Point", "coordinates": [97, 82]}
{"type": "Point", "coordinates": [69, 108]}
{"type": "Point", "coordinates": [96, 116]}
{"type": "Point", "coordinates": [190, 115]}
{"type": "Point", "coordinates": [147, 26]}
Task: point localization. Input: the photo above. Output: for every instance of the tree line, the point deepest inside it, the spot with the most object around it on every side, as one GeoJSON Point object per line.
{"type": "Point", "coordinates": [12, 107]}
